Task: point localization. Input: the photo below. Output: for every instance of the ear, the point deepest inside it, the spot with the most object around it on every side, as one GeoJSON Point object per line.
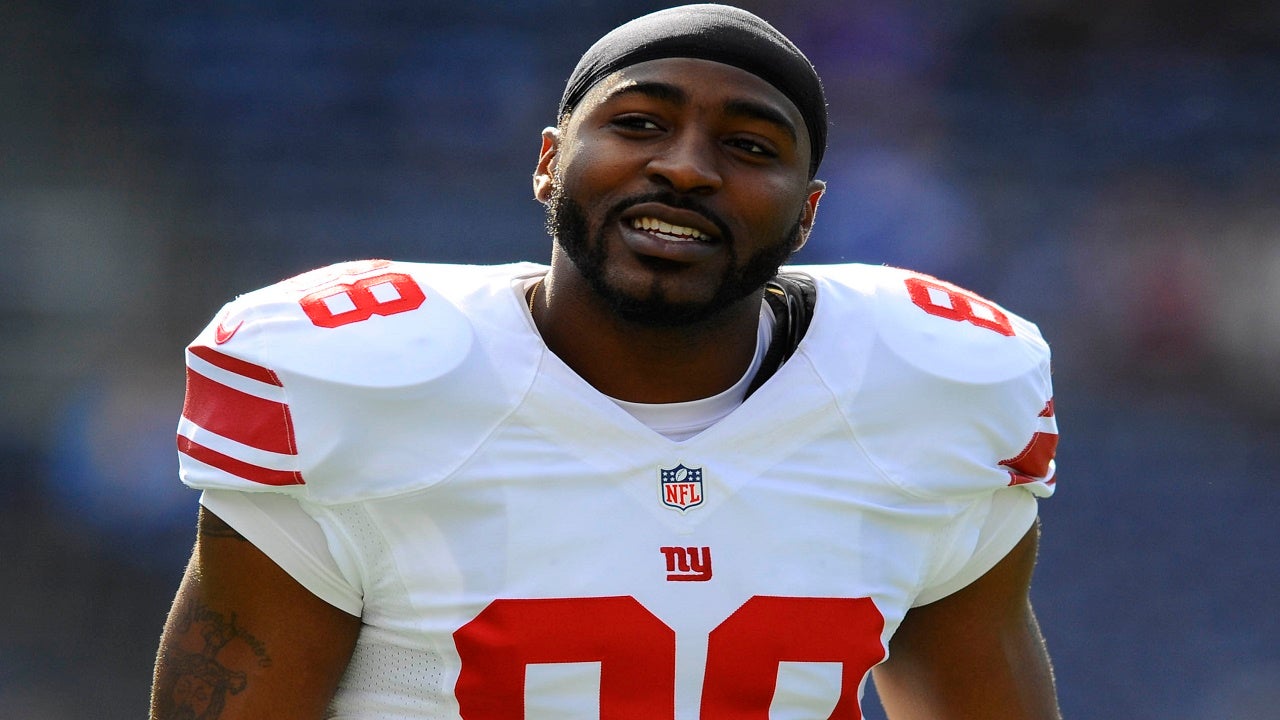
{"type": "Point", "coordinates": [809, 213]}
{"type": "Point", "coordinates": [544, 174]}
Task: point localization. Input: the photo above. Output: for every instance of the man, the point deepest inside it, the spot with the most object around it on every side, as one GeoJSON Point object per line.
{"type": "Point", "coordinates": [658, 479]}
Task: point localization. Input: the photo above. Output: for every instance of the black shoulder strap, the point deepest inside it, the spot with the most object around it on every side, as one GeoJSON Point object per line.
{"type": "Point", "coordinates": [791, 296]}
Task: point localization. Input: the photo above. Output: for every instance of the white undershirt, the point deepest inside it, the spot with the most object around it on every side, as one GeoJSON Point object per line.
{"type": "Point", "coordinates": [682, 420]}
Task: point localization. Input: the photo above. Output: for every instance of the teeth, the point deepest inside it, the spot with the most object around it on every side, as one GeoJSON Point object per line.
{"type": "Point", "coordinates": [666, 228]}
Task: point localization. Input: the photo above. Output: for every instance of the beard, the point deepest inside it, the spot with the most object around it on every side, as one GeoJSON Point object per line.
{"type": "Point", "coordinates": [567, 224]}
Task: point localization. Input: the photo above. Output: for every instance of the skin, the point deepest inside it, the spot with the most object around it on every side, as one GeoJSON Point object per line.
{"type": "Point", "coordinates": [977, 653]}
{"type": "Point", "coordinates": [732, 151]}
{"type": "Point", "coordinates": [644, 318]}
{"type": "Point", "coordinates": [245, 640]}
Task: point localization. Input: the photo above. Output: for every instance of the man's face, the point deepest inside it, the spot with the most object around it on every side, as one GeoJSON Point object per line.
{"type": "Point", "coordinates": [677, 188]}
{"type": "Point", "coordinates": [192, 697]}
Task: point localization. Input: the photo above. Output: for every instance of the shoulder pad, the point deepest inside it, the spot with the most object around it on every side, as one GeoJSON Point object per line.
{"type": "Point", "coordinates": [943, 329]}
{"type": "Point", "coordinates": [949, 393]}
{"type": "Point", "coordinates": [371, 323]}
{"type": "Point", "coordinates": [354, 381]}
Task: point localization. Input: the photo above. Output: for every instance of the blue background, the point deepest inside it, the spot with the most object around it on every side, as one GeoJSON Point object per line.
{"type": "Point", "coordinates": [1107, 169]}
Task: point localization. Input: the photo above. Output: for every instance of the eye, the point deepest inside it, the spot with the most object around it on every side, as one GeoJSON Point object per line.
{"type": "Point", "coordinates": [752, 147]}
{"type": "Point", "coordinates": [635, 123]}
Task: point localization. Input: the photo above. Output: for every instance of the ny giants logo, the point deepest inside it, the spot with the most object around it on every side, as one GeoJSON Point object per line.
{"type": "Point", "coordinates": [681, 487]}
{"type": "Point", "coordinates": [688, 563]}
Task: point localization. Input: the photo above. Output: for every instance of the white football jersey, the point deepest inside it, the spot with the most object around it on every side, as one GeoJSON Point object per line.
{"type": "Point", "coordinates": [519, 546]}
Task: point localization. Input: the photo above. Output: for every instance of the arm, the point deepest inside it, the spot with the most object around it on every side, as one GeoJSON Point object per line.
{"type": "Point", "coordinates": [976, 653]}
{"type": "Point", "coordinates": [245, 640]}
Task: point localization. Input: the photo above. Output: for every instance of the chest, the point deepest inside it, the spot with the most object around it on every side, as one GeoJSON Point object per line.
{"type": "Point", "coordinates": [681, 575]}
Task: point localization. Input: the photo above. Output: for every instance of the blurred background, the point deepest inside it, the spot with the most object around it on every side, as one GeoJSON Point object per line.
{"type": "Point", "coordinates": [1109, 169]}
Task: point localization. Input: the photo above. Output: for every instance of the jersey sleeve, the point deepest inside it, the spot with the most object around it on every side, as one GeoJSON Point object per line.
{"type": "Point", "coordinates": [982, 535]}
{"type": "Point", "coordinates": [284, 531]}
{"type": "Point", "coordinates": [330, 386]}
{"type": "Point", "coordinates": [949, 394]}
{"type": "Point", "coordinates": [973, 385]}
{"type": "Point", "coordinates": [236, 430]}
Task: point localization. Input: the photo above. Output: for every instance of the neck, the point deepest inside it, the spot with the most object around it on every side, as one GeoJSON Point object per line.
{"type": "Point", "coordinates": [641, 363]}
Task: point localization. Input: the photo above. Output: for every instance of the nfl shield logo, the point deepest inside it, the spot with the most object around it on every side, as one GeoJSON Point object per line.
{"type": "Point", "coordinates": [681, 487]}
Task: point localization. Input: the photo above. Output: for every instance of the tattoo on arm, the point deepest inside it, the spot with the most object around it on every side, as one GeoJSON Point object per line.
{"type": "Point", "coordinates": [198, 676]}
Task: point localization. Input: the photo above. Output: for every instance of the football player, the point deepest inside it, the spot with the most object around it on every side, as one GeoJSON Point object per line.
{"type": "Point", "coordinates": [663, 476]}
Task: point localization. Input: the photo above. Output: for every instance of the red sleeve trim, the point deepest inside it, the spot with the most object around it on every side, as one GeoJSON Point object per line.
{"type": "Point", "coordinates": [1035, 462]}
{"type": "Point", "coordinates": [239, 468]}
{"type": "Point", "coordinates": [236, 365]}
{"type": "Point", "coordinates": [236, 415]}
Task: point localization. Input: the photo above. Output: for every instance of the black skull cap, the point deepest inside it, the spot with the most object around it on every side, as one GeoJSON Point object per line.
{"type": "Point", "coordinates": [719, 33]}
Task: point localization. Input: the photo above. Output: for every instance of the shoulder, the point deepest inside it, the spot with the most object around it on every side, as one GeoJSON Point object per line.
{"type": "Point", "coordinates": [324, 384]}
{"type": "Point", "coordinates": [936, 326]}
{"type": "Point", "coordinates": [352, 322]}
{"type": "Point", "coordinates": [947, 391]}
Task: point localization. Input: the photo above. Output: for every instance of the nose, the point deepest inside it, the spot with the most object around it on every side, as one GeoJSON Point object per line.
{"type": "Point", "coordinates": [687, 164]}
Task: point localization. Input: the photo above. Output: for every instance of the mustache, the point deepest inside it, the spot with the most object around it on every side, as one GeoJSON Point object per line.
{"type": "Point", "coordinates": [675, 200]}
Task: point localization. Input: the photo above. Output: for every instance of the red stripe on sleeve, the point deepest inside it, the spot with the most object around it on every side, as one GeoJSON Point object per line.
{"type": "Point", "coordinates": [236, 365]}
{"type": "Point", "coordinates": [1032, 464]}
{"type": "Point", "coordinates": [239, 468]}
{"type": "Point", "coordinates": [247, 419]}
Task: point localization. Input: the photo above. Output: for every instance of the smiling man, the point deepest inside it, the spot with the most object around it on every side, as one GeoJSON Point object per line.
{"type": "Point", "coordinates": [666, 476]}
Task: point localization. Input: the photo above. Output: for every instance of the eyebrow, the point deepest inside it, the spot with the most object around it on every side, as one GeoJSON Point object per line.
{"type": "Point", "coordinates": [760, 111]}
{"type": "Point", "coordinates": [665, 92]}
{"type": "Point", "coordinates": [750, 109]}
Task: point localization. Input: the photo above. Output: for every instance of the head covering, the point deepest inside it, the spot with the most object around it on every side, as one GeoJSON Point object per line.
{"type": "Point", "coordinates": [720, 33]}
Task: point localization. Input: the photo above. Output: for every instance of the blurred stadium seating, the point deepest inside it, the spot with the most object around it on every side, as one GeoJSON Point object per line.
{"type": "Point", "coordinates": [1108, 169]}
